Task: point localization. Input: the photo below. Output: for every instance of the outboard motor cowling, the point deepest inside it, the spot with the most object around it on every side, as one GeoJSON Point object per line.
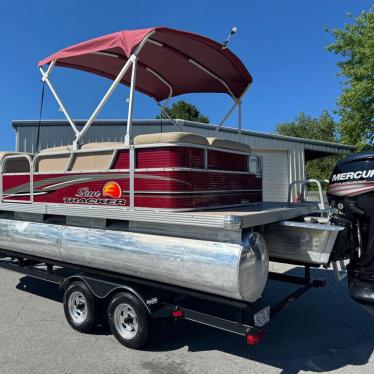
{"type": "Point", "coordinates": [351, 192]}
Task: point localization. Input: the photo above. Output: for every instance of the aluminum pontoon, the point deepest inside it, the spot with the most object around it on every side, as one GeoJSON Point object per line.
{"type": "Point", "coordinates": [161, 216]}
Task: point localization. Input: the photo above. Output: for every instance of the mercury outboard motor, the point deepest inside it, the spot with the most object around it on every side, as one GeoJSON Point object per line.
{"type": "Point", "coordinates": [351, 193]}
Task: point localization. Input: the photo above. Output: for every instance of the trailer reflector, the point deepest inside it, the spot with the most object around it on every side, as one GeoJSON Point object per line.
{"type": "Point", "coordinates": [177, 313]}
{"type": "Point", "coordinates": [254, 337]}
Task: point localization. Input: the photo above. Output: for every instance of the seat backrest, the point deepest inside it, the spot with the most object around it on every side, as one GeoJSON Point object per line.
{"type": "Point", "coordinates": [97, 158]}
{"type": "Point", "coordinates": [52, 163]}
{"type": "Point", "coordinates": [92, 161]}
{"type": "Point", "coordinates": [229, 144]}
{"type": "Point", "coordinates": [170, 137]}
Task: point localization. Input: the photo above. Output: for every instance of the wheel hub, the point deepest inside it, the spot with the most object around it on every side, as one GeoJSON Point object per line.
{"type": "Point", "coordinates": [77, 306]}
{"type": "Point", "coordinates": [126, 321]}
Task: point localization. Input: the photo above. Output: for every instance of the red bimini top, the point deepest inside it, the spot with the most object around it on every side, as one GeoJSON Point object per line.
{"type": "Point", "coordinates": [181, 60]}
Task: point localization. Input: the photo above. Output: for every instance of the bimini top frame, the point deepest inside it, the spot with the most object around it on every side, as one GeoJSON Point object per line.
{"type": "Point", "coordinates": [164, 63]}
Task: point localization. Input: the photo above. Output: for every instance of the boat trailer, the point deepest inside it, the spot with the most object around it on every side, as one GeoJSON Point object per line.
{"type": "Point", "coordinates": [159, 300]}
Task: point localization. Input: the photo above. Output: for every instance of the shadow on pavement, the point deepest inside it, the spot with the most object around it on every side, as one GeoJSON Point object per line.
{"type": "Point", "coordinates": [51, 291]}
{"type": "Point", "coordinates": [40, 288]}
{"type": "Point", "coordinates": [324, 330]}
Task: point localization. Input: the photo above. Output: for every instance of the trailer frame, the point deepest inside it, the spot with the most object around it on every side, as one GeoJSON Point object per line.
{"type": "Point", "coordinates": [165, 300]}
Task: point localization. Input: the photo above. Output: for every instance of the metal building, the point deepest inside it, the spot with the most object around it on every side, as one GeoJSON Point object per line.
{"type": "Point", "coordinates": [284, 157]}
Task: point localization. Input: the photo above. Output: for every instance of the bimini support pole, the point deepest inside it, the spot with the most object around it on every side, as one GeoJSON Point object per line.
{"type": "Point", "coordinates": [226, 117]}
{"type": "Point", "coordinates": [237, 103]}
{"type": "Point", "coordinates": [45, 78]}
{"type": "Point", "coordinates": [130, 61]}
{"type": "Point", "coordinates": [128, 137]}
{"type": "Point", "coordinates": [240, 117]}
{"type": "Point", "coordinates": [103, 101]}
{"type": "Point", "coordinates": [173, 121]}
{"type": "Point", "coordinates": [166, 102]}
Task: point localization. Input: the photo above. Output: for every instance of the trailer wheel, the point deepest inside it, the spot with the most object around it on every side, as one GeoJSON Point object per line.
{"type": "Point", "coordinates": [128, 320]}
{"type": "Point", "coordinates": [79, 307]}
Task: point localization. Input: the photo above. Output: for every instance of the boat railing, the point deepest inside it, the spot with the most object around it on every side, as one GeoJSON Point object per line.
{"type": "Point", "coordinates": [302, 192]}
{"type": "Point", "coordinates": [255, 164]}
{"type": "Point", "coordinates": [4, 171]}
{"type": "Point", "coordinates": [31, 168]}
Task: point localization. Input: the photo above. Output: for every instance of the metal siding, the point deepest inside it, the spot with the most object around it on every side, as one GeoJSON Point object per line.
{"type": "Point", "coordinates": [275, 177]}
{"type": "Point", "coordinates": [114, 131]}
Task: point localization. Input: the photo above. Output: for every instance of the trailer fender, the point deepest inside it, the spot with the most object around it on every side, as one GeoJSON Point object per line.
{"type": "Point", "coordinates": [104, 288]}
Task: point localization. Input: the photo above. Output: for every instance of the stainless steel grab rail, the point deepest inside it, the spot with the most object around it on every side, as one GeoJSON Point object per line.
{"type": "Point", "coordinates": [2, 173]}
{"type": "Point", "coordinates": [304, 183]}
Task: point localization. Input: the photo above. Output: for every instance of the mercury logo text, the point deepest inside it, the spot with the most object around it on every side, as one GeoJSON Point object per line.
{"type": "Point", "coordinates": [352, 175]}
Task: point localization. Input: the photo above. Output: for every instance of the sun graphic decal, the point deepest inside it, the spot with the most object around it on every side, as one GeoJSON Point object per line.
{"type": "Point", "coordinates": [112, 189]}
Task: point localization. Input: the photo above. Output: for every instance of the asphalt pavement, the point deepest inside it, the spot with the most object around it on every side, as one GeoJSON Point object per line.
{"type": "Point", "coordinates": [324, 331]}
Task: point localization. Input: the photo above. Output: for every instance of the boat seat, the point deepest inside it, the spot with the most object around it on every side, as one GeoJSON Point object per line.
{"type": "Point", "coordinates": [93, 146]}
{"type": "Point", "coordinates": [62, 148]}
{"type": "Point", "coordinates": [95, 161]}
{"type": "Point", "coordinates": [98, 159]}
{"type": "Point", "coordinates": [20, 165]}
{"type": "Point", "coordinates": [229, 144]}
{"type": "Point", "coordinates": [170, 137]}
{"type": "Point", "coordinates": [99, 145]}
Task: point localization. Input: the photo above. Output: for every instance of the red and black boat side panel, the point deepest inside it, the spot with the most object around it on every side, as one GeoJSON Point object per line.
{"type": "Point", "coordinates": [167, 177]}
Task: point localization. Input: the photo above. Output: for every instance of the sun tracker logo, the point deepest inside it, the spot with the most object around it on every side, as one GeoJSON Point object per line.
{"type": "Point", "coordinates": [112, 189]}
{"type": "Point", "coordinates": [110, 195]}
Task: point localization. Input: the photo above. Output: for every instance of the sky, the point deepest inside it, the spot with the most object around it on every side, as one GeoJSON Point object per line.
{"type": "Point", "coordinates": [281, 42]}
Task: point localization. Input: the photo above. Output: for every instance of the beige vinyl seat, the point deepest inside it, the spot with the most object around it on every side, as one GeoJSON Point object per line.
{"type": "Point", "coordinates": [56, 159]}
{"type": "Point", "coordinates": [229, 144]}
{"type": "Point", "coordinates": [170, 137]}
{"type": "Point", "coordinates": [99, 155]}
{"type": "Point", "coordinates": [93, 146]}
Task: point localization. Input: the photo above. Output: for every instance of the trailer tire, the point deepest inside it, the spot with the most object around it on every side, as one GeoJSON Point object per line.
{"type": "Point", "coordinates": [79, 307]}
{"type": "Point", "coordinates": [128, 320]}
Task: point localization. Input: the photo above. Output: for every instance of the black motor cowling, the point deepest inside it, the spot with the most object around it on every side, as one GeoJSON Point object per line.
{"type": "Point", "coordinates": [351, 192]}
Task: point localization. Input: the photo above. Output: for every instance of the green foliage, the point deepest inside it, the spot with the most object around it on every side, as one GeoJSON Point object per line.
{"type": "Point", "coordinates": [322, 128]}
{"type": "Point", "coordinates": [304, 126]}
{"type": "Point", "coordinates": [355, 43]}
{"type": "Point", "coordinates": [321, 168]}
{"type": "Point", "coordinates": [183, 110]}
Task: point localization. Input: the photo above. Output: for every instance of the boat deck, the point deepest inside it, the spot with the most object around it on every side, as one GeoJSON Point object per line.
{"type": "Point", "coordinates": [228, 218]}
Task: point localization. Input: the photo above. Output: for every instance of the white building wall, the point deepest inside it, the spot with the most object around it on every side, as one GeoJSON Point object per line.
{"type": "Point", "coordinates": [276, 178]}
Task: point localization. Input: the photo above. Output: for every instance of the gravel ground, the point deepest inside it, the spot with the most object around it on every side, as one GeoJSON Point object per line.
{"type": "Point", "coordinates": [324, 331]}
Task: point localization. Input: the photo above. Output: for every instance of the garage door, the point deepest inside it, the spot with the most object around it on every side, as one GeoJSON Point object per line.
{"type": "Point", "coordinates": [275, 178]}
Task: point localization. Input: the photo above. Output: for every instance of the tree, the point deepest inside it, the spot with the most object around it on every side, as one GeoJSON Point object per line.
{"type": "Point", "coordinates": [183, 110]}
{"type": "Point", "coordinates": [323, 128]}
{"type": "Point", "coordinates": [303, 126]}
{"type": "Point", "coordinates": [355, 42]}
